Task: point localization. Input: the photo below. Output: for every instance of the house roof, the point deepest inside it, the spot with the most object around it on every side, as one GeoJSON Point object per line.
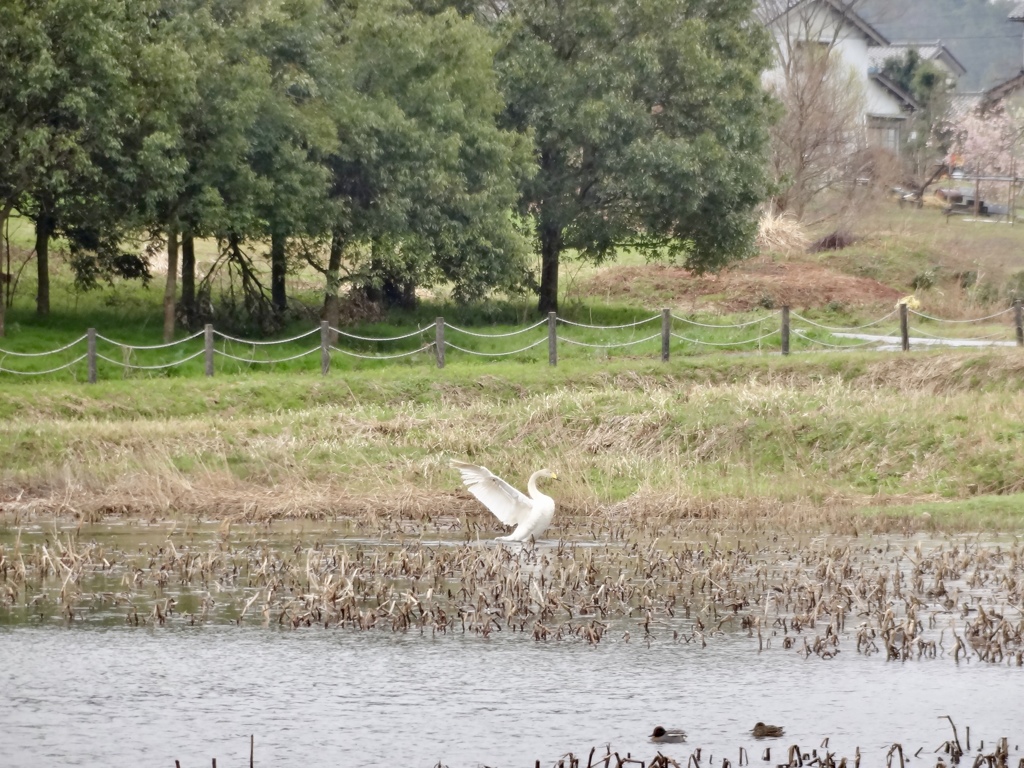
{"type": "Point", "coordinates": [963, 104]}
{"type": "Point", "coordinates": [772, 10]}
{"type": "Point", "coordinates": [1005, 88]}
{"type": "Point", "coordinates": [902, 96]}
{"type": "Point", "coordinates": [931, 51]}
{"type": "Point", "coordinates": [1017, 14]}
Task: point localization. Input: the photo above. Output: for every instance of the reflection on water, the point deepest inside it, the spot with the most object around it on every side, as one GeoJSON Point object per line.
{"type": "Point", "coordinates": [129, 645]}
{"type": "Point", "coordinates": [128, 697]}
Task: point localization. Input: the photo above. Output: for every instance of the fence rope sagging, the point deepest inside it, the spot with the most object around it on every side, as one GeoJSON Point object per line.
{"type": "Point", "coordinates": [873, 323]}
{"type": "Point", "coordinates": [257, 361]}
{"type": "Point", "coordinates": [748, 323]}
{"type": "Point", "coordinates": [58, 350]}
{"type": "Point", "coordinates": [410, 353]}
{"type": "Point", "coordinates": [819, 335]}
{"type": "Point", "coordinates": [725, 343]}
{"type": "Point", "coordinates": [251, 342]}
{"type": "Point", "coordinates": [66, 365]}
{"type": "Point", "coordinates": [521, 331]}
{"type": "Point", "coordinates": [634, 324]}
{"type": "Point", "coordinates": [537, 343]}
{"type": "Point", "coordinates": [402, 337]}
{"type": "Point", "coordinates": [971, 320]}
{"type": "Point", "coordinates": [893, 338]}
{"type": "Point", "coordinates": [168, 345]}
{"type": "Point", "coordinates": [163, 366]}
{"type": "Point", "coordinates": [609, 346]}
{"type": "Point", "coordinates": [996, 335]}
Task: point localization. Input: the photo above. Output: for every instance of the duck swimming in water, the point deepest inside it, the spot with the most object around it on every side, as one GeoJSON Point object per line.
{"type": "Point", "coordinates": [762, 731]}
{"type": "Point", "coordinates": [668, 736]}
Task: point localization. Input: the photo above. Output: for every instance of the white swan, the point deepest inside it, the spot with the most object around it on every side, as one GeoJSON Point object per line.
{"type": "Point", "coordinates": [531, 515]}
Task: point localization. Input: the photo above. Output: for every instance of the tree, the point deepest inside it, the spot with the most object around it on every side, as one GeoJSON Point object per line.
{"type": "Point", "coordinates": [988, 142]}
{"type": "Point", "coordinates": [819, 141]}
{"type": "Point", "coordinates": [423, 181]}
{"type": "Point", "coordinates": [64, 100]}
{"type": "Point", "coordinates": [930, 132]}
{"type": "Point", "coordinates": [292, 132]}
{"type": "Point", "coordinates": [207, 84]}
{"type": "Point", "coordinates": [649, 124]}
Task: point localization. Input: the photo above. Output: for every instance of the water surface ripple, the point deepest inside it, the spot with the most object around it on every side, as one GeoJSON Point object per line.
{"type": "Point", "coordinates": [148, 696]}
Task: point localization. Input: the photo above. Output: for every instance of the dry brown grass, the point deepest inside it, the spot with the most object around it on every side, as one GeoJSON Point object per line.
{"type": "Point", "coordinates": [781, 234]}
{"type": "Point", "coordinates": [784, 441]}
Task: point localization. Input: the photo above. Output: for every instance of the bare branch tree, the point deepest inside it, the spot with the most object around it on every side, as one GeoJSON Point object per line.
{"type": "Point", "coordinates": [820, 141]}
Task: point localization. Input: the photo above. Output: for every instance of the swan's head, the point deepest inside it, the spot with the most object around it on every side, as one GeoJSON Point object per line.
{"type": "Point", "coordinates": [549, 473]}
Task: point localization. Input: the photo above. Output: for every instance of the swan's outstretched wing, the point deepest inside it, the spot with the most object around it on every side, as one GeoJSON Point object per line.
{"type": "Point", "coordinates": [509, 505]}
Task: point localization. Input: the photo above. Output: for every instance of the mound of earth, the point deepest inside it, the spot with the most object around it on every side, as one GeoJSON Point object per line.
{"type": "Point", "coordinates": [747, 286]}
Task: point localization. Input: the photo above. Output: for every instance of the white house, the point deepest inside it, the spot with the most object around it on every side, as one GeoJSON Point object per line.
{"type": "Point", "coordinates": [835, 24]}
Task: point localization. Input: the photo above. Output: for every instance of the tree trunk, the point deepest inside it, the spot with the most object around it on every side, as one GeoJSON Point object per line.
{"type": "Point", "coordinates": [550, 251]}
{"type": "Point", "coordinates": [332, 303]}
{"type": "Point", "coordinates": [396, 290]}
{"type": "Point", "coordinates": [278, 269]}
{"type": "Point", "coordinates": [188, 279]}
{"type": "Point", "coordinates": [44, 231]}
{"type": "Point", "coordinates": [171, 288]}
{"type": "Point", "coordinates": [6, 278]}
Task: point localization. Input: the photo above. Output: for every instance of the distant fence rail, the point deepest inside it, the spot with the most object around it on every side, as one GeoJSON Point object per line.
{"type": "Point", "coordinates": [891, 331]}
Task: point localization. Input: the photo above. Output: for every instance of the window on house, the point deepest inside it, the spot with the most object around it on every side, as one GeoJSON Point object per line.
{"type": "Point", "coordinates": [885, 132]}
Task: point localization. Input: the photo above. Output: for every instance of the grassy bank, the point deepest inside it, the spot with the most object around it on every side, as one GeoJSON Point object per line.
{"type": "Point", "coordinates": [716, 436]}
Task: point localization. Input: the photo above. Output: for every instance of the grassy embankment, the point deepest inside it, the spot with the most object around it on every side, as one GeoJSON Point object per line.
{"type": "Point", "coordinates": [809, 438]}
{"type": "Point", "coordinates": [789, 439]}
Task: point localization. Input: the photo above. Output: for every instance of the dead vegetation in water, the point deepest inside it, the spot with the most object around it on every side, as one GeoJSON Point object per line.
{"type": "Point", "coordinates": [796, 756]}
{"type": "Point", "coordinates": [668, 582]}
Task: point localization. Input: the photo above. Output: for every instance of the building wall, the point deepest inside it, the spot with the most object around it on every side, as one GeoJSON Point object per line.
{"type": "Point", "coordinates": [815, 22]}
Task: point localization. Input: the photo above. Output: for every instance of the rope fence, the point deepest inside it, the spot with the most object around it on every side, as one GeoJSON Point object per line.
{"type": "Point", "coordinates": [752, 335]}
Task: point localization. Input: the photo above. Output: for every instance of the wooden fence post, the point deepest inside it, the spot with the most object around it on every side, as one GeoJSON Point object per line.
{"type": "Point", "coordinates": [904, 327]}
{"type": "Point", "coordinates": [91, 353]}
{"type": "Point", "coordinates": [208, 345]}
{"type": "Point", "coordinates": [1018, 320]}
{"type": "Point", "coordinates": [325, 347]}
{"type": "Point", "coordinates": [552, 338]}
{"type": "Point", "coordinates": [439, 341]}
{"type": "Point", "coordinates": [666, 333]}
{"type": "Point", "coordinates": [785, 330]}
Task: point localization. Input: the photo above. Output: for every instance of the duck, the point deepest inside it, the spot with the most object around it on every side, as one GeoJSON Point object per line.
{"type": "Point", "coordinates": [762, 731]}
{"type": "Point", "coordinates": [668, 735]}
{"type": "Point", "coordinates": [531, 515]}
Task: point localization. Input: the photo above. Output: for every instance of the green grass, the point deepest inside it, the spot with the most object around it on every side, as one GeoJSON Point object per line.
{"type": "Point", "coordinates": [845, 432]}
{"type": "Point", "coordinates": [1005, 512]}
{"type": "Point", "coordinates": [885, 435]}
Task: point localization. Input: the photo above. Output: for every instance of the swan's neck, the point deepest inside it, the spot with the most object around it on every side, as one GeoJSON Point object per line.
{"type": "Point", "coordinates": [531, 486]}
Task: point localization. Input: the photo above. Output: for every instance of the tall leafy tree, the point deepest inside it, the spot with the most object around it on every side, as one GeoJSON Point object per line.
{"type": "Point", "coordinates": [649, 123]}
{"type": "Point", "coordinates": [292, 131]}
{"type": "Point", "coordinates": [423, 181]}
{"type": "Point", "coordinates": [64, 102]}
{"type": "Point", "coordinates": [196, 138]}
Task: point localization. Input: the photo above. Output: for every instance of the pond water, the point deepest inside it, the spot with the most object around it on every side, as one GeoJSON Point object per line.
{"type": "Point", "coordinates": [127, 697]}
{"type": "Point", "coordinates": [94, 690]}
